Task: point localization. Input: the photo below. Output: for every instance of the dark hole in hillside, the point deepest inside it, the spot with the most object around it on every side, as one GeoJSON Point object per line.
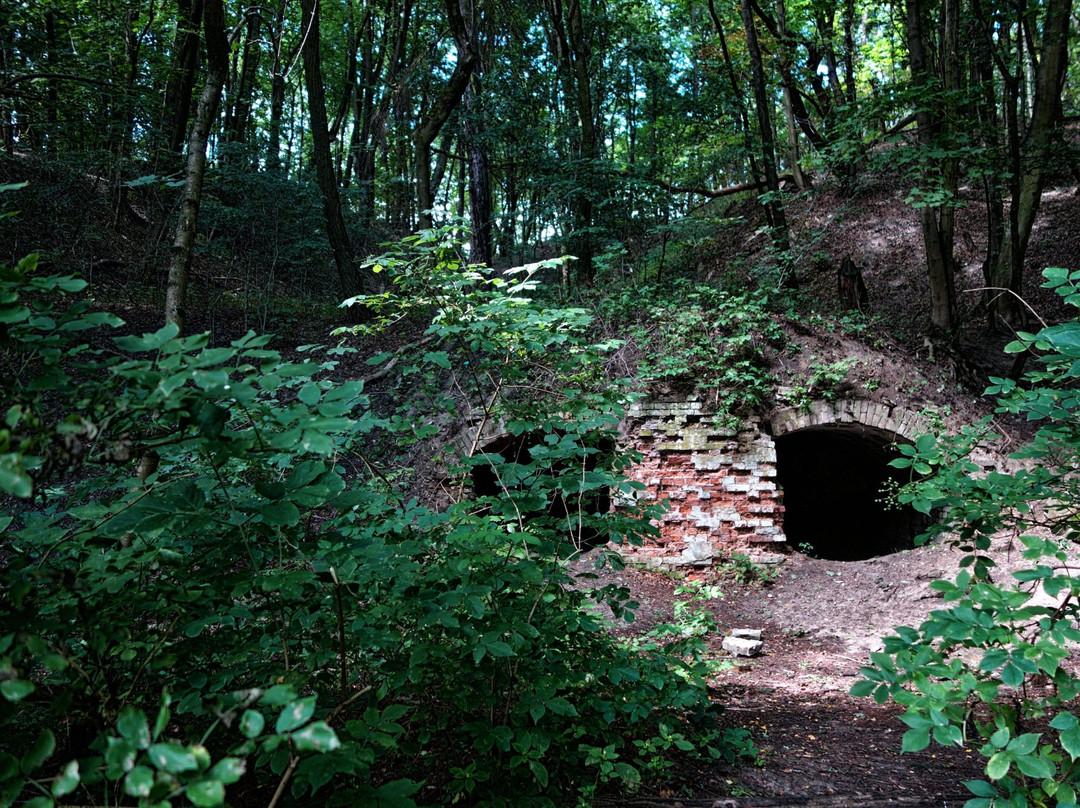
{"type": "Point", "coordinates": [832, 478]}
{"type": "Point", "coordinates": [566, 511]}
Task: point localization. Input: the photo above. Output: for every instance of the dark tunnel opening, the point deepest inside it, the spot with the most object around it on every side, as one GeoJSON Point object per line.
{"type": "Point", "coordinates": [573, 513]}
{"type": "Point", "coordinates": [833, 479]}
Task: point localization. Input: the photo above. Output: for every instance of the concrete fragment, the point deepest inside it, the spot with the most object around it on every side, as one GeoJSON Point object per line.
{"type": "Point", "coordinates": [746, 633]}
{"type": "Point", "coordinates": [738, 646]}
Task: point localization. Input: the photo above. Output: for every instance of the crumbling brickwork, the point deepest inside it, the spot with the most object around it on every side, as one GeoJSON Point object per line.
{"type": "Point", "coordinates": [719, 482]}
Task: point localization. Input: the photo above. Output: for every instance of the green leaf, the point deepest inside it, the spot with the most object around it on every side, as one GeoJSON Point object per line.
{"type": "Point", "coordinates": [13, 477]}
{"type": "Point", "coordinates": [139, 781]}
{"type": "Point", "coordinates": [40, 751]}
{"type": "Point", "coordinates": [1024, 744]}
{"type": "Point", "coordinates": [133, 726]}
{"type": "Point", "coordinates": [252, 723]}
{"type": "Point", "coordinates": [1035, 766]}
{"type": "Point", "coordinates": [163, 716]}
{"type": "Point", "coordinates": [206, 793]}
{"type": "Point", "coordinates": [980, 788]}
{"type": "Point", "coordinates": [148, 342]}
{"type": "Point", "coordinates": [310, 394]}
{"type": "Point", "coordinates": [67, 781]}
{"type": "Point", "coordinates": [1070, 742]}
{"type": "Point", "coordinates": [315, 737]}
{"type": "Point", "coordinates": [278, 695]}
{"type": "Point", "coordinates": [915, 740]}
{"type": "Point", "coordinates": [172, 758]}
{"type": "Point", "coordinates": [39, 802]}
{"type": "Point", "coordinates": [16, 689]}
{"type": "Point", "coordinates": [439, 358]}
{"type": "Point", "coordinates": [295, 714]}
{"type": "Point", "coordinates": [228, 770]}
{"type": "Point", "coordinates": [1064, 721]}
{"type": "Point", "coordinates": [498, 648]}
{"type": "Point", "coordinates": [282, 513]}
{"type": "Point", "coordinates": [998, 765]}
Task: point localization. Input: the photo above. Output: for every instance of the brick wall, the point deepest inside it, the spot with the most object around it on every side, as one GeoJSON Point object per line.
{"type": "Point", "coordinates": [719, 482]}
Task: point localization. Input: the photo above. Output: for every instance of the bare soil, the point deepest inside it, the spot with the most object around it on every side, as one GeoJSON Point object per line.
{"type": "Point", "coordinates": [819, 621]}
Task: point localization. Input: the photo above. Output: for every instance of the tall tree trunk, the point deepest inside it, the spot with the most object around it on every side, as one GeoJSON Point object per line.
{"type": "Point", "coordinates": [439, 111]}
{"type": "Point", "coordinates": [774, 204]}
{"type": "Point", "coordinates": [802, 181]}
{"type": "Point", "coordinates": [937, 220]}
{"type": "Point", "coordinates": [849, 51]}
{"type": "Point", "coordinates": [479, 177]}
{"type": "Point", "coordinates": [181, 83]}
{"type": "Point", "coordinates": [737, 93]}
{"type": "Point", "coordinates": [217, 57]}
{"type": "Point", "coordinates": [236, 120]}
{"type": "Point", "coordinates": [572, 53]}
{"type": "Point", "coordinates": [52, 93]}
{"type": "Point", "coordinates": [348, 276]}
{"type": "Point", "coordinates": [1030, 157]}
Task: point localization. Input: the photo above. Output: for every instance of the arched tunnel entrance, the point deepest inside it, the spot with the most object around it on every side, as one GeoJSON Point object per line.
{"type": "Point", "coordinates": [559, 492]}
{"type": "Point", "coordinates": [833, 478]}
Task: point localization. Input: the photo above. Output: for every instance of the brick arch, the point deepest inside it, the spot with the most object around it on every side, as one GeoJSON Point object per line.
{"type": "Point", "coordinates": [477, 431]}
{"type": "Point", "coordinates": [900, 421]}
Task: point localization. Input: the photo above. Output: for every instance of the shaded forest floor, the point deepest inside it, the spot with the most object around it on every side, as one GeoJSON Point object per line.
{"type": "Point", "coordinates": [819, 621]}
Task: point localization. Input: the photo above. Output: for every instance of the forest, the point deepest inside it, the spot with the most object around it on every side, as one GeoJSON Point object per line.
{"type": "Point", "coordinates": [269, 272]}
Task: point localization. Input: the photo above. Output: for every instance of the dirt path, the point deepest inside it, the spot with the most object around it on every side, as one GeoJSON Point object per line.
{"type": "Point", "coordinates": [819, 621]}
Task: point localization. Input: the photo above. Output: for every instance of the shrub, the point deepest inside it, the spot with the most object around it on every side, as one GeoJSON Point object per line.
{"type": "Point", "coordinates": [196, 596]}
{"type": "Point", "coordinates": [988, 669]}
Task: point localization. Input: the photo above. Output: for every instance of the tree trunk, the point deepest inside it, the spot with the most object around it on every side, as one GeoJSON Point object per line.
{"type": "Point", "coordinates": [479, 178]}
{"type": "Point", "coordinates": [774, 204]}
{"type": "Point", "coordinates": [802, 181]}
{"type": "Point", "coordinates": [181, 83]}
{"type": "Point", "coordinates": [439, 112]}
{"type": "Point", "coordinates": [937, 219]}
{"type": "Point", "coordinates": [737, 93]}
{"type": "Point", "coordinates": [348, 277]}
{"type": "Point", "coordinates": [217, 57]}
{"type": "Point", "coordinates": [1030, 156]}
{"type": "Point", "coordinates": [572, 54]}
{"type": "Point", "coordinates": [52, 93]}
{"type": "Point", "coordinates": [236, 123]}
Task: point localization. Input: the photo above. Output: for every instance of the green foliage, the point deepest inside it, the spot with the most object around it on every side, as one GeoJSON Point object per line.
{"type": "Point", "coordinates": [197, 587]}
{"type": "Point", "coordinates": [824, 380]}
{"type": "Point", "coordinates": [982, 669]}
{"type": "Point", "coordinates": [699, 337]}
{"type": "Point", "coordinates": [744, 570]}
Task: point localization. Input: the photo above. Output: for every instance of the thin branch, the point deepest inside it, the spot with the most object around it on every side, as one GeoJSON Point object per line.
{"type": "Point", "coordinates": [713, 193]}
{"type": "Point", "coordinates": [1034, 313]}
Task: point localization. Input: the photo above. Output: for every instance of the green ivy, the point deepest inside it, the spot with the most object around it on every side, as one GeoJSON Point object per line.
{"type": "Point", "coordinates": [696, 337]}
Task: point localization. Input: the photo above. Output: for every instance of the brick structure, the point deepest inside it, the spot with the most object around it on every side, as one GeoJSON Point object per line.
{"type": "Point", "coordinates": [718, 477]}
{"type": "Point", "coordinates": [719, 480]}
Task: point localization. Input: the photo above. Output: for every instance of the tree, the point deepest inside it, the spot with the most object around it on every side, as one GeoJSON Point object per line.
{"type": "Point", "coordinates": [348, 275]}
{"type": "Point", "coordinates": [570, 46]}
{"type": "Point", "coordinates": [217, 57]}
{"type": "Point", "coordinates": [773, 204]}
{"type": "Point", "coordinates": [936, 114]}
{"type": "Point", "coordinates": [438, 113]}
{"type": "Point", "coordinates": [1024, 58]}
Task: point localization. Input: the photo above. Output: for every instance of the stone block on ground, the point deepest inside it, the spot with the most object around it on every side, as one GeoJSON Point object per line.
{"type": "Point", "coordinates": [739, 646]}
{"type": "Point", "coordinates": [746, 633]}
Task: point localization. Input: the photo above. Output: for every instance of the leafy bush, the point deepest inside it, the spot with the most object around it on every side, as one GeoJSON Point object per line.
{"type": "Point", "coordinates": [699, 337]}
{"type": "Point", "coordinates": [197, 596]}
{"type": "Point", "coordinates": [990, 667]}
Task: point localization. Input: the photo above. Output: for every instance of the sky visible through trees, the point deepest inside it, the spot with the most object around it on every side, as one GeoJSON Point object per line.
{"type": "Point", "coordinates": [581, 127]}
